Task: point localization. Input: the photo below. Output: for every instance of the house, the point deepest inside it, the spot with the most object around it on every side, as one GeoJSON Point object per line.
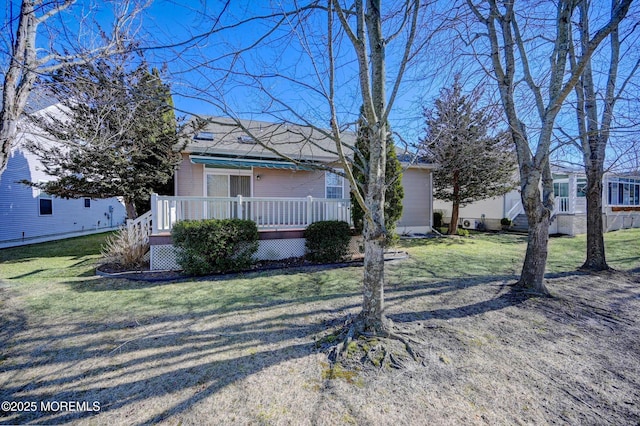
{"type": "Point", "coordinates": [226, 173]}
{"type": "Point", "coordinates": [484, 214]}
{"type": "Point", "coordinates": [29, 216]}
{"type": "Point", "coordinates": [620, 205]}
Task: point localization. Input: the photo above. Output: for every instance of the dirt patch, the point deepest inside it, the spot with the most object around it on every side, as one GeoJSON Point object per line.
{"type": "Point", "coordinates": [489, 356]}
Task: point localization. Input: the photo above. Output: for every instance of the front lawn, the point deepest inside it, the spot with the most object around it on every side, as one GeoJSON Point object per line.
{"type": "Point", "coordinates": [242, 349]}
{"type": "Point", "coordinates": [57, 279]}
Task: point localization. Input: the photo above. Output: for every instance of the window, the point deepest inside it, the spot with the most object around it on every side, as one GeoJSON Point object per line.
{"type": "Point", "coordinates": [87, 203]}
{"type": "Point", "coordinates": [623, 192]}
{"type": "Point", "coordinates": [582, 187]}
{"type": "Point", "coordinates": [45, 205]}
{"type": "Point", "coordinates": [561, 189]}
{"type": "Point", "coordinates": [45, 202]}
{"type": "Point", "coordinates": [334, 185]}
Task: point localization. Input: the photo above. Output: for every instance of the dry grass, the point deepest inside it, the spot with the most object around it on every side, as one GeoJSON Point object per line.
{"type": "Point", "coordinates": [243, 350]}
{"type": "Point", "coordinates": [491, 357]}
{"type": "Point", "coordinates": [126, 248]}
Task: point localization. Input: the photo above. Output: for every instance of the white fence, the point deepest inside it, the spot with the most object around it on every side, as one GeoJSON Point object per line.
{"type": "Point", "coordinates": [268, 213]}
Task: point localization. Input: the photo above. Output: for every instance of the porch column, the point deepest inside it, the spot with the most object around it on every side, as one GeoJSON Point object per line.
{"type": "Point", "coordinates": [573, 193]}
{"type": "Point", "coordinates": [154, 213]}
{"type": "Point", "coordinates": [240, 208]}
{"type": "Point", "coordinates": [309, 210]}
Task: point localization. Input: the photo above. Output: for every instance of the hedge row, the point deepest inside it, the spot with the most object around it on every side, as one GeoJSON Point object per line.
{"type": "Point", "coordinates": [228, 245]}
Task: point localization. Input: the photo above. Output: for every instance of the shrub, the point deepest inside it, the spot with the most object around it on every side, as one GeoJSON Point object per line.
{"type": "Point", "coordinates": [125, 248]}
{"type": "Point", "coordinates": [327, 241]}
{"type": "Point", "coordinates": [462, 232]}
{"type": "Point", "coordinates": [505, 221]}
{"type": "Point", "coordinates": [437, 219]}
{"type": "Point", "coordinates": [213, 245]}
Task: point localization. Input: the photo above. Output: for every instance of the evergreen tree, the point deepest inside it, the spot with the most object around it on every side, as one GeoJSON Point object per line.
{"type": "Point", "coordinates": [116, 133]}
{"type": "Point", "coordinates": [394, 192]}
{"type": "Point", "coordinates": [472, 165]}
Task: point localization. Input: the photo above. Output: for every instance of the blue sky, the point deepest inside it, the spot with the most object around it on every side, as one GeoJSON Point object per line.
{"type": "Point", "coordinates": [196, 70]}
{"type": "Point", "coordinates": [169, 21]}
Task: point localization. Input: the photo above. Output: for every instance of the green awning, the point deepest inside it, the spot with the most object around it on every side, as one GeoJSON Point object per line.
{"type": "Point", "coordinates": [241, 163]}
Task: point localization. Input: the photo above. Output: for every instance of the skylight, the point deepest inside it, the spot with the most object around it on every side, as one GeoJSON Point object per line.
{"type": "Point", "coordinates": [204, 136]}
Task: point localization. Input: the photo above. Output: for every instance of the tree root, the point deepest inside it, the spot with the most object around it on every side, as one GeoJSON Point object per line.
{"type": "Point", "coordinates": [372, 347]}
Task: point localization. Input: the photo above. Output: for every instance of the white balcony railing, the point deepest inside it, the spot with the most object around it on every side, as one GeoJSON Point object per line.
{"type": "Point", "coordinates": [562, 205]}
{"type": "Point", "coordinates": [268, 213]}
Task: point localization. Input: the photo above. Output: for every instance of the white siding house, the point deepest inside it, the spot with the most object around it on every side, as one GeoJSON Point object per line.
{"type": "Point", "coordinates": [620, 205]}
{"type": "Point", "coordinates": [28, 216]}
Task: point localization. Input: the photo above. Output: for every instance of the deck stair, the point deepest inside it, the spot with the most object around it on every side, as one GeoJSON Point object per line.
{"type": "Point", "coordinates": [520, 223]}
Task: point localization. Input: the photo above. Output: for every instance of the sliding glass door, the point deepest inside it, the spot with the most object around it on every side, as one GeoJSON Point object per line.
{"type": "Point", "coordinates": [225, 186]}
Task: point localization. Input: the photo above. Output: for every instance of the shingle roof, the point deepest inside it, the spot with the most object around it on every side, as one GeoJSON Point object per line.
{"type": "Point", "coordinates": [260, 139]}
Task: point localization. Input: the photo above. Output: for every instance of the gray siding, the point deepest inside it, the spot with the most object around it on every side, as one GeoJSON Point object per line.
{"type": "Point", "coordinates": [417, 198]}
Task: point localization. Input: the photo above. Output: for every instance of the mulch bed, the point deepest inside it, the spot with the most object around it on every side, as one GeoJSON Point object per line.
{"type": "Point", "coordinates": [143, 273]}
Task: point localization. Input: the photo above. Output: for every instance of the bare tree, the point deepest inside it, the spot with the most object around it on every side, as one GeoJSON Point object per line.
{"type": "Point", "coordinates": [324, 61]}
{"type": "Point", "coordinates": [26, 60]}
{"type": "Point", "coordinates": [594, 128]}
{"type": "Point", "coordinates": [510, 61]}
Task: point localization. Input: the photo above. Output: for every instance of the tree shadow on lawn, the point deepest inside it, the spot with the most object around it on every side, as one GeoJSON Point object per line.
{"type": "Point", "coordinates": [184, 359]}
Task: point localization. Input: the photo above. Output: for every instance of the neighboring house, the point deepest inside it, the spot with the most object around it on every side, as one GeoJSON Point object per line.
{"type": "Point", "coordinates": [620, 204]}
{"type": "Point", "coordinates": [29, 216]}
{"type": "Point", "coordinates": [484, 213]}
{"type": "Point", "coordinates": [225, 173]}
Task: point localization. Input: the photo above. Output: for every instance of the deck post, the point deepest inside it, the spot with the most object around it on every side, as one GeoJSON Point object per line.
{"type": "Point", "coordinates": [573, 193]}
{"type": "Point", "coordinates": [240, 209]}
{"type": "Point", "coordinates": [155, 220]}
{"type": "Point", "coordinates": [309, 210]}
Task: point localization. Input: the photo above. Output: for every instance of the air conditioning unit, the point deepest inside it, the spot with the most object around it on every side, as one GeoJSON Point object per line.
{"type": "Point", "coordinates": [469, 223]}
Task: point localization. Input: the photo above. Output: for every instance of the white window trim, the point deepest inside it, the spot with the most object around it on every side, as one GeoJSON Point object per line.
{"type": "Point", "coordinates": [225, 172]}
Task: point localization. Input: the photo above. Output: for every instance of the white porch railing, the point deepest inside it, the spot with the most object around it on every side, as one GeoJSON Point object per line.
{"type": "Point", "coordinates": [268, 213]}
{"type": "Point", "coordinates": [515, 210]}
{"type": "Point", "coordinates": [142, 224]}
{"type": "Point", "coordinates": [562, 205]}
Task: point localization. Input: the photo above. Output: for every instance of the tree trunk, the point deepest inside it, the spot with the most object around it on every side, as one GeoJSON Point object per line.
{"type": "Point", "coordinates": [455, 210]}
{"type": "Point", "coordinates": [374, 235]}
{"type": "Point", "coordinates": [532, 276]}
{"type": "Point", "coordinates": [374, 231]}
{"type": "Point", "coordinates": [373, 280]}
{"type": "Point", "coordinates": [538, 215]}
{"type": "Point", "coordinates": [130, 205]}
{"type": "Point", "coordinates": [453, 223]}
{"type": "Point", "coordinates": [596, 259]}
{"type": "Point", "coordinates": [7, 135]}
{"type": "Point", "coordinates": [18, 80]}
